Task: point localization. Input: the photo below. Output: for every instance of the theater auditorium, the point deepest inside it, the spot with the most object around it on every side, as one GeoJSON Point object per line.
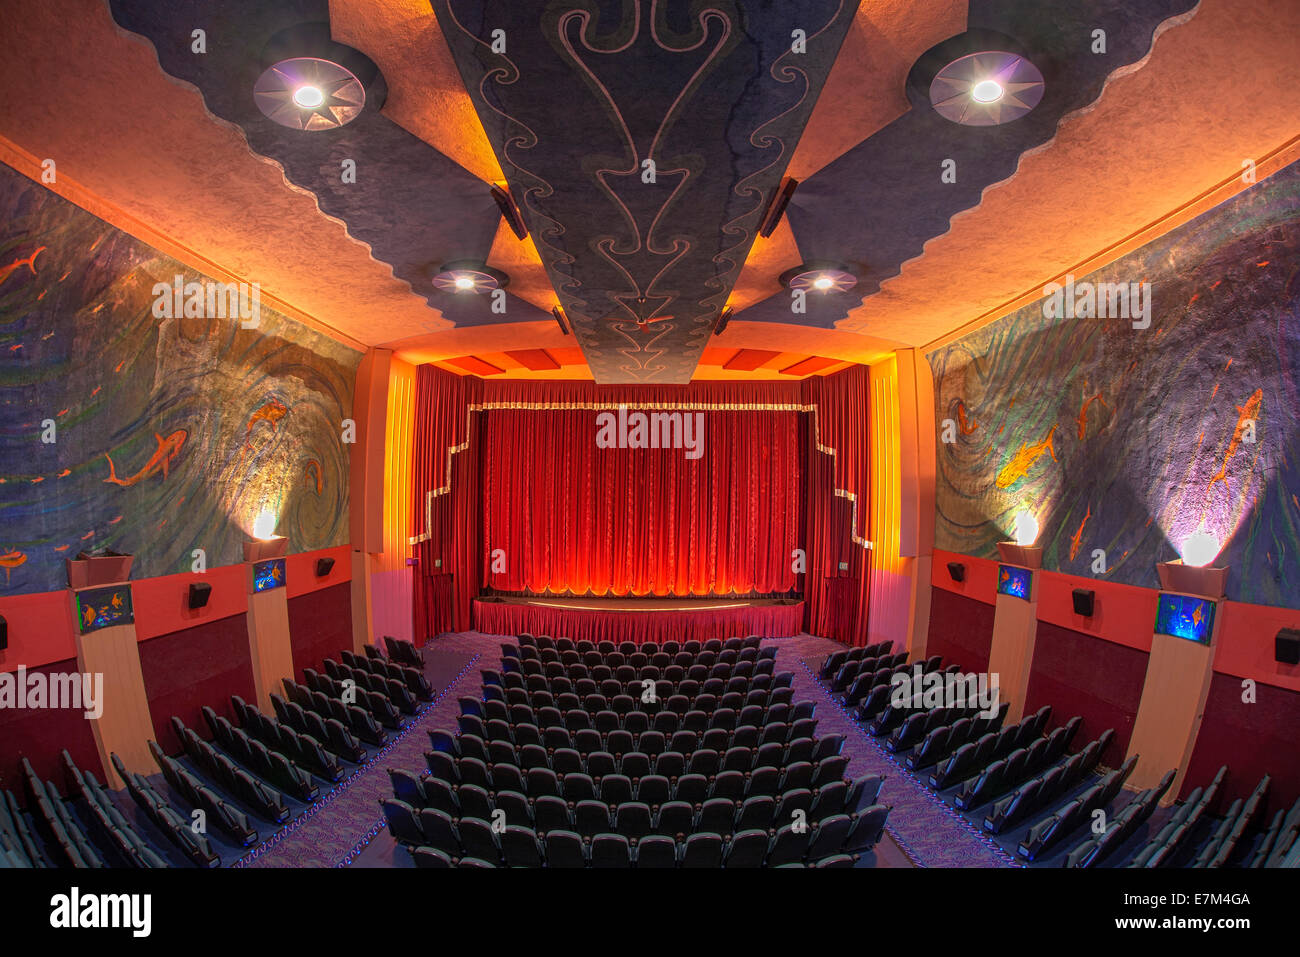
{"type": "Point", "coordinates": [650, 434]}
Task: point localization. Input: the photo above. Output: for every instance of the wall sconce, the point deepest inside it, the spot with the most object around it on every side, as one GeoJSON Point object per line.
{"type": "Point", "coordinates": [323, 566]}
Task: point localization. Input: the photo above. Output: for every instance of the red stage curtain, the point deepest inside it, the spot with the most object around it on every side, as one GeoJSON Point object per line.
{"type": "Point", "coordinates": [701, 624]}
{"type": "Point", "coordinates": [837, 599]}
{"type": "Point", "coordinates": [565, 516]}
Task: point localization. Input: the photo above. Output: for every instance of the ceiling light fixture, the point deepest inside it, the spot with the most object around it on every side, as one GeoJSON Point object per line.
{"type": "Point", "coordinates": [309, 93]}
{"type": "Point", "coordinates": [823, 277]}
{"type": "Point", "coordinates": [467, 276]}
{"type": "Point", "coordinates": [986, 89]}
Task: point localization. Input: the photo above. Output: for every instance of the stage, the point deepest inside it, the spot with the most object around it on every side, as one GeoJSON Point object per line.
{"type": "Point", "coordinates": [639, 619]}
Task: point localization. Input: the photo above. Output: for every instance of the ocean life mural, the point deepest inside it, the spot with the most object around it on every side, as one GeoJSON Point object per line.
{"type": "Point", "coordinates": [1143, 409]}
{"type": "Point", "coordinates": [155, 436]}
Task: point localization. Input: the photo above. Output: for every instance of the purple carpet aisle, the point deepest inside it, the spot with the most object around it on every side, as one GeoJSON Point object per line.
{"type": "Point", "coordinates": [930, 833]}
{"type": "Point", "coordinates": [342, 822]}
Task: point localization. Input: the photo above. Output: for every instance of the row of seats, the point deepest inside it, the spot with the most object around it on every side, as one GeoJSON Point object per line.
{"type": "Point", "coordinates": [1058, 825]}
{"type": "Point", "coordinates": [504, 739]}
{"type": "Point", "coordinates": [1281, 840]}
{"type": "Point", "coordinates": [56, 826]}
{"type": "Point", "coordinates": [615, 788]}
{"type": "Point", "coordinates": [973, 757]}
{"type": "Point", "coordinates": [613, 691]}
{"type": "Point", "coordinates": [1044, 788]}
{"type": "Point", "coordinates": [377, 703]}
{"type": "Point", "coordinates": [1179, 833]}
{"type": "Point", "coordinates": [660, 659]}
{"type": "Point", "coordinates": [517, 846]}
{"type": "Point", "coordinates": [112, 833]}
{"type": "Point", "coordinates": [667, 809]}
{"type": "Point", "coordinates": [638, 763]}
{"type": "Point", "coordinates": [939, 743]}
{"type": "Point", "coordinates": [1121, 826]}
{"type": "Point", "coordinates": [266, 802]}
{"type": "Point", "coordinates": [402, 652]}
{"type": "Point", "coordinates": [19, 847]}
{"type": "Point", "coordinates": [837, 660]}
{"type": "Point", "coordinates": [158, 810]}
{"type": "Point", "coordinates": [357, 720]}
{"type": "Point", "coordinates": [396, 692]}
{"type": "Point", "coordinates": [252, 754]}
{"type": "Point", "coordinates": [1017, 767]}
{"type": "Point", "coordinates": [630, 712]}
{"type": "Point", "coordinates": [549, 726]}
{"type": "Point", "coordinates": [558, 679]}
{"type": "Point", "coordinates": [329, 731]}
{"type": "Point", "coordinates": [915, 725]}
{"type": "Point", "coordinates": [842, 681]}
{"type": "Point", "coordinates": [225, 817]}
{"type": "Point", "coordinates": [411, 676]}
{"type": "Point", "coordinates": [715, 645]}
{"type": "Point", "coordinates": [302, 749]}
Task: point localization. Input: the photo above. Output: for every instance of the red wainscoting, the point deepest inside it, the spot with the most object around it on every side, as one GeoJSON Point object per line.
{"type": "Point", "coordinates": [1097, 679]}
{"type": "Point", "coordinates": [320, 625]}
{"type": "Point", "coordinates": [185, 670]}
{"type": "Point", "coordinates": [1251, 739]}
{"type": "Point", "coordinates": [40, 629]}
{"type": "Point", "coordinates": [961, 629]}
{"type": "Point", "coordinates": [41, 735]}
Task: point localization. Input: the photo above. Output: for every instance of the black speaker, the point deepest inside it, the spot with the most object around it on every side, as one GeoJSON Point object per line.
{"type": "Point", "coordinates": [4, 633]}
{"type": "Point", "coordinates": [323, 566]}
{"type": "Point", "coordinates": [199, 592]}
{"type": "Point", "coordinates": [1084, 599]}
{"type": "Point", "coordinates": [957, 571]}
{"type": "Point", "coordinates": [1286, 647]}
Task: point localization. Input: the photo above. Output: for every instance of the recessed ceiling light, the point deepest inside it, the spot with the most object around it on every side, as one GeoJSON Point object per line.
{"type": "Point", "coordinates": [986, 89]}
{"type": "Point", "coordinates": [469, 277]}
{"type": "Point", "coordinates": [823, 277]}
{"type": "Point", "coordinates": [308, 93]}
{"type": "Point", "coordinates": [308, 97]}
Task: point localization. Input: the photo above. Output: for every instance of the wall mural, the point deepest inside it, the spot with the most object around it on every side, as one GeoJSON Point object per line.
{"type": "Point", "coordinates": [168, 434]}
{"type": "Point", "coordinates": [1126, 439]}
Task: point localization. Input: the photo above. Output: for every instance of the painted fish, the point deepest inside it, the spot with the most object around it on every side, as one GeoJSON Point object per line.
{"type": "Point", "coordinates": [1083, 415]}
{"type": "Point", "coordinates": [160, 461]}
{"type": "Point", "coordinates": [29, 262]}
{"type": "Point", "coordinates": [11, 560]}
{"type": "Point", "coordinates": [313, 469]}
{"type": "Point", "coordinates": [1246, 413]}
{"type": "Point", "coordinates": [88, 616]}
{"type": "Point", "coordinates": [1024, 459]}
{"type": "Point", "coordinates": [961, 418]}
{"type": "Point", "coordinates": [272, 412]}
{"type": "Point", "coordinates": [1077, 537]}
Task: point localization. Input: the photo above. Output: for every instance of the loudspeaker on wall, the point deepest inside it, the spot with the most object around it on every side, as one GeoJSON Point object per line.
{"type": "Point", "coordinates": [1084, 601]}
{"type": "Point", "coordinates": [199, 592]}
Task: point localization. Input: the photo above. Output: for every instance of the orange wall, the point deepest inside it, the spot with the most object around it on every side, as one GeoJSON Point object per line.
{"type": "Point", "coordinates": [391, 583]}
{"type": "Point", "coordinates": [300, 570]}
{"type": "Point", "coordinates": [40, 630]}
{"type": "Point", "coordinates": [1126, 614]}
{"type": "Point", "coordinates": [162, 604]}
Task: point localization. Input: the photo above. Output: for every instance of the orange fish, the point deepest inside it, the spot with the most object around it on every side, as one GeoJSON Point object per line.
{"type": "Point", "coordinates": [313, 467]}
{"type": "Point", "coordinates": [272, 412]}
{"type": "Point", "coordinates": [119, 518]}
{"type": "Point", "coordinates": [1077, 537]}
{"type": "Point", "coordinates": [15, 348]}
{"type": "Point", "coordinates": [117, 599]}
{"type": "Point", "coordinates": [961, 417]}
{"type": "Point", "coordinates": [1245, 414]}
{"type": "Point", "coordinates": [96, 391]}
{"type": "Point", "coordinates": [1024, 459]}
{"type": "Point", "coordinates": [88, 616]}
{"type": "Point", "coordinates": [1083, 415]}
{"type": "Point", "coordinates": [11, 560]}
{"type": "Point", "coordinates": [61, 548]}
{"type": "Point", "coordinates": [29, 262]}
{"type": "Point", "coordinates": [64, 474]}
{"type": "Point", "coordinates": [38, 479]}
{"type": "Point", "coordinates": [89, 534]}
{"type": "Point", "coordinates": [160, 461]}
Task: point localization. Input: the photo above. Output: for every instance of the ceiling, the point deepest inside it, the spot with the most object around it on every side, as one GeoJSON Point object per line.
{"type": "Point", "coordinates": [169, 145]}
